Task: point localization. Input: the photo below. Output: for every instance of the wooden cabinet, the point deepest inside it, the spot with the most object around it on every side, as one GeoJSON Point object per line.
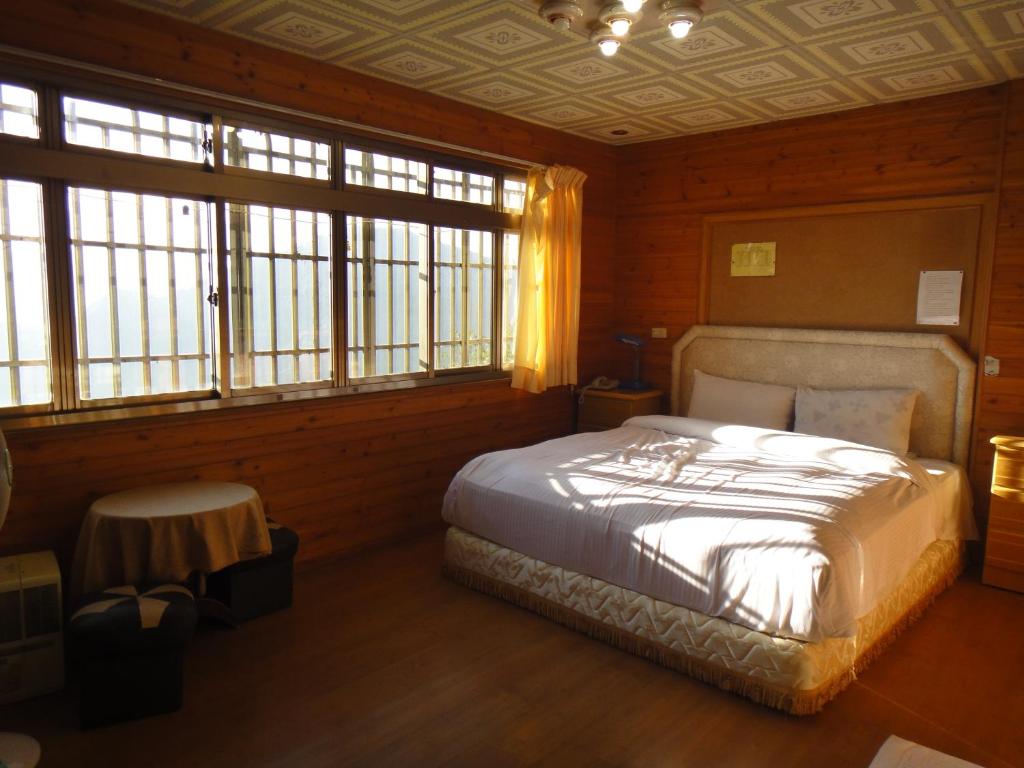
{"type": "Point", "coordinates": [1004, 546]}
{"type": "Point", "coordinates": [607, 409]}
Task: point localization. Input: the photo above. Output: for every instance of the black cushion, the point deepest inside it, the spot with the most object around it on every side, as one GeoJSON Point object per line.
{"type": "Point", "coordinates": [284, 541]}
{"type": "Point", "coordinates": [127, 617]}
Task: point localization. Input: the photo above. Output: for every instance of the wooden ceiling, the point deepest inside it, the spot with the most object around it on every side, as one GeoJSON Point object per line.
{"type": "Point", "coordinates": [749, 61]}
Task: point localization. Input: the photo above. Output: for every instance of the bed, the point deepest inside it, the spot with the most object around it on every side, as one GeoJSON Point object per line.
{"type": "Point", "coordinates": [772, 564]}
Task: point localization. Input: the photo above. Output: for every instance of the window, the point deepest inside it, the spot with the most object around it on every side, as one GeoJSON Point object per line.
{"type": "Point", "coordinates": [24, 325]}
{"type": "Point", "coordinates": [464, 186]}
{"type": "Point", "coordinates": [509, 296]}
{"type": "Point", "coordinates": [463, 276]}
{"type": "Point", "coordinates": [372, 169]}
{"type": "Point", "coordinates": [277, 153]}
{"type": "Point", "coordinates": [387, 272]}
{"type": "Point", "coordinates": [280, 276]}
{"type": "Point", "coordinates": [124, 129]}
{"type": "Point", "coordinates": [19, 111]}
{"type": "Point", "coordinates": [141, 270]}
{"type": "Point", "coordinates": [513, 195]}
{"type": "Point", "coordinates": [270, 270]}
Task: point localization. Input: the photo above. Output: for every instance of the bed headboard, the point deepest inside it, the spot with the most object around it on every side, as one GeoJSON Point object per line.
{"type": "Point", "coordinates": [931, 363]}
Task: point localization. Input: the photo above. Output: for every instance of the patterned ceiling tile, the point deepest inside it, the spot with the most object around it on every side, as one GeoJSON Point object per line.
{"type": "Point", "coordinates": [825, 97]}
{"type": "Point", "coordinates": [919, 41]}
{"type": "Point", "coordinates": [719, 35]}
{"type": "Point", "coordinates": [411, 63]}
{"type": "Point", "coordinates": [301, 26]}
{"type": "Point", "coordinates": [585, 69]}
{"type": "Point", "coordinates": [926, 79]}
{"type": "Point", "coordinates": [654, 94]}
{"type": "Point", "coordinates": [748, 61]}
{"type": "Point", "coordinates": [622, 131]}
{"type": "Point", "coordinates": [774, 70]}
{"type": "Point", "coordinates": [1011, 61]}
{"type": "Point", "coordinates": [565, 113]}
{"type": "Point", "coordinates": [999, 25]}
{"type": "Point", "coordinates": [396, 15]}
{"type": "Point", "coordinates": [501, 32]}
{"type": "Point", "coordinates": [811, 19]}
{"type": "Point", "coordinates": [714, 117]}
{"type": "Point", "coordinates": [498, 92]}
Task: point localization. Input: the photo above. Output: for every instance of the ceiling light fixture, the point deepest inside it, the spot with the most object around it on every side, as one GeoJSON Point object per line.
{"type": "Point", "coordinates": [617, 18]}
{"type": "Point", "coordinates": [607, 42]}
{"type": "Point", "coordinates": [681, 16]}
{"type": "Point", "coordinates": [561, 13]}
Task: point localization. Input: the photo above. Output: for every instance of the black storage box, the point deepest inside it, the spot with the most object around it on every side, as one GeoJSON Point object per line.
{"type": "Point", "coordinates": [261, 585]}
{"type": "Point", "coordinates": [128, 648]}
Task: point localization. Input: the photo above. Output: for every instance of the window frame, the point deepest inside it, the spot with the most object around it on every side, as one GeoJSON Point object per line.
{"type": "Point", "coordinates": [92, 404]}
{"type": "Point", "coordinates": [127, 102]}
{"type": "Point", "coordinates": [39, 88]}
{"type": "Point", "coordinates": [57, 164]}
{"type": "Point", "coordinates": [220, 125]}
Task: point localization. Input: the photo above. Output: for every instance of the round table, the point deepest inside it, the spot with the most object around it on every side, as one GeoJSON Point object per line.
{"type": "Point", "coordinates": [165, 533]}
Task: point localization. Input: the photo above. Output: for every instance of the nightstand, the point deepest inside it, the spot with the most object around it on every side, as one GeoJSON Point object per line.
{"type": "Point", "coordinates": [608, 408]}
{"type": "Point", "coordinates": [1004, 545]}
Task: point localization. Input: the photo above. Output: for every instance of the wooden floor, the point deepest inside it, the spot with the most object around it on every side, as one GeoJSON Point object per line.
{"type": "Point", "coordinates": [382, 662]}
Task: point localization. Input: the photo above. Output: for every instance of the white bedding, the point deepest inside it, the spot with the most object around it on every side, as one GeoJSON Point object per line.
{"type": "Point", "coordinates": [788, 534]}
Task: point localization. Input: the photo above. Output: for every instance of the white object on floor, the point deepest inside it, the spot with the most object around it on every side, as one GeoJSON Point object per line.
{"type": "Point", "coordinates": [18, 751]}
{"type": "Point", "coordinates": [900, 753]}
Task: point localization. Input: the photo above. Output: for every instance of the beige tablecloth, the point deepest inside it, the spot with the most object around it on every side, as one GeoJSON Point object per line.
{"type": "Point", "coordinates": [163, 533]}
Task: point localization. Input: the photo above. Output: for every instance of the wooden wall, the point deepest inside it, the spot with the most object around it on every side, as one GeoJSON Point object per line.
{"type": "Point", "coordinates": [352, 472]}
{"type": "Point", "coordinates": [346, 472]}
{"type": "Point", "coordinates": [1001, 401]}
{"type": "Point", "coordinates": [944, 145]}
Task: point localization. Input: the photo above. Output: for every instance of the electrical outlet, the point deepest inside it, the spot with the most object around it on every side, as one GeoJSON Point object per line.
{"type": "Point", "coordinates": [659, 333]}
{"type": "Point", "coordinates": [991, 365]}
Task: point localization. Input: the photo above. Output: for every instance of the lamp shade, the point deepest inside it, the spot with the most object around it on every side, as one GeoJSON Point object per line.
{"type": "Point", "coordinates": [6, 478]}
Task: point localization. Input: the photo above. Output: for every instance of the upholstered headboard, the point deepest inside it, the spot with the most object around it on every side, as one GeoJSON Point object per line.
{"type": "Point", "coordinates": [931, 363]}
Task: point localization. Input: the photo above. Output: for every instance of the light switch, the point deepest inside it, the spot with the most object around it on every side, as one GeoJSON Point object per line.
{"type": "Point", "coordinates": [659, 333]}
{"type": "Point", "coordinates": [991, 365]}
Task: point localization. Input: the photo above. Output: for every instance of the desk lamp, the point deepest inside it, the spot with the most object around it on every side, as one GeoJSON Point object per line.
{"type": "Point", "coordinates": [637, 344]}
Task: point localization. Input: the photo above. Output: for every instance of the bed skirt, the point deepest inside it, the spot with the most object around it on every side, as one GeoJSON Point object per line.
{"type": "Point", "coordinates": [792, 675]}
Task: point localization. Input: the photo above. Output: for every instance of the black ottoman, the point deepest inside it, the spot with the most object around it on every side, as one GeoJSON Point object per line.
{"type": "Point", "coordinates": [261, 585]}
{"type": "Point", "coordinates": [128, 649]}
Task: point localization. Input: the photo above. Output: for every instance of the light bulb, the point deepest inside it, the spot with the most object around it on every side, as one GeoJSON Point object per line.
{"type": "Point", "coordinates": [608, 47]}
{"type": "Point", "coordinates": [620, 27]}
{"type": "Point", "coordinates": [632, 6]}
{"type": "Point", "coordinates": [681, 28]}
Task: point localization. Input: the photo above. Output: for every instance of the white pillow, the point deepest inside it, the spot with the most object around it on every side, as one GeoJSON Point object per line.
{"type": "Point", "coordinates": [877, 417]}
{"type": "Point", "coordinates": [740, 402]}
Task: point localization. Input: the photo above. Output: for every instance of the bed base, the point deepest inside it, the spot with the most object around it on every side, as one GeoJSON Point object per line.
{"type": "Point", "coordinates": [791, 675]}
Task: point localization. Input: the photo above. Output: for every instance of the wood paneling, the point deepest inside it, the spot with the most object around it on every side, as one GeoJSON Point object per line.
{"type": "Point", "coordinates": [347, 472]}
{"type": "Point", "coordinates": [1001, 400]}
{"type": "Point", "coordinates": [946, 145]}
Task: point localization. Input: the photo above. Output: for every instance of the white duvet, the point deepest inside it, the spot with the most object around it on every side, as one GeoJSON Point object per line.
{"type": "Point", "coordinates": [787, 534]}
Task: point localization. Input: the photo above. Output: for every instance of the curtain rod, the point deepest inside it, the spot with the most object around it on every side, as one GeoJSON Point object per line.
{"type": "Point", "coordinates": [253, 103]}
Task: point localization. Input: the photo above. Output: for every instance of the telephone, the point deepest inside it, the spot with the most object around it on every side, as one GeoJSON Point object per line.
{"type": "Point", "coordinates": [601, 382]}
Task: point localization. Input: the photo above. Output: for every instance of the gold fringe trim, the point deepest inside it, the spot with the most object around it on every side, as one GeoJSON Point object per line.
{"type": "Point", "coordinates": [794, 701]}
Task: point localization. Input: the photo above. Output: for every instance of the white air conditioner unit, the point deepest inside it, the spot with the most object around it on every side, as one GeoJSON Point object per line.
{"type": "Point", "coordinates": [31, 645]}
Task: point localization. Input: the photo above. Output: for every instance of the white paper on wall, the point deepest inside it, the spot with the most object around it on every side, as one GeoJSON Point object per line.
{"type": "Point", "coordinates": [938, 296]}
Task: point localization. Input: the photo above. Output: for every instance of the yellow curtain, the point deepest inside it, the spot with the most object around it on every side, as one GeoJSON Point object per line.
{"type": "Point", "coordinates": [547, 321]}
